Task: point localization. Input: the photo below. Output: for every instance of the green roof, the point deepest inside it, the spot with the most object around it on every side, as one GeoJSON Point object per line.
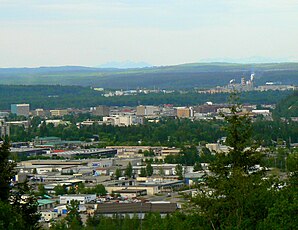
{"type": "Point", "coordinates": [44, 201]}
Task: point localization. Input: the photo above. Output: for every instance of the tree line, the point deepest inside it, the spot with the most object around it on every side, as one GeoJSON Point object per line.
{"type": "Point", "coordinates": [58, 96]}
{"type": "Point", "coordinates": [168, 132]}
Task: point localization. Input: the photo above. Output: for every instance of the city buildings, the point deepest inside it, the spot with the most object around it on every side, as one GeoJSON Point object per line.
{"type": "Point", "coordinates": [147, 110]}
{"type": "Point", "coordinates": [4, 128]}
{"type": "Point", "coordinates": [58, 112]}
{"type": "Point", "coordinates": [101, 110]}
{"type": "Point", "coordinates": [127, 120]}
{"type": "Point", "coordinates": [20, 109]}
{"type": "Point", "coordinates": [184, 112]}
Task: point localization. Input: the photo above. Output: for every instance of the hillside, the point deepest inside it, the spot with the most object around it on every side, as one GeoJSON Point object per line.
{"type": "Point", "coordinates": [288, 107]}
{"type": "Point", "coordinates": [202, 75]}
{"type": "Point", "coordinates": [55, 96]}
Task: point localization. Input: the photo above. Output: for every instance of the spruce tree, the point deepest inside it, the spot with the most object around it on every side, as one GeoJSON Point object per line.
{"type": "Point", "coordinates": [7, 171]}
{"type": "Point", "coordinates": [235, 195]}
{"type": "Point", "coordinates": [128, 170]}
{"type": "Point", "coordinates": [149, 169]}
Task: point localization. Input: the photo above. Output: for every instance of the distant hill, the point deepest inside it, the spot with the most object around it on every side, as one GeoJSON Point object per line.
{"type": "Point", "coordinates": [201, 75]}
{"type": "Point", "coordinates": [288, 107]}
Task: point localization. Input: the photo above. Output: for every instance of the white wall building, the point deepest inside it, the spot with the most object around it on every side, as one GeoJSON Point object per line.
{"type": "Point", "coordinates": [48, 215]}
{"type": "Point", "coordinates": [82, 198]}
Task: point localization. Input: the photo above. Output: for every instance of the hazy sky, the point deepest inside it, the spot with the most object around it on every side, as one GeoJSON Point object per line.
{"type": "Point", "coordinates": [82, 32]}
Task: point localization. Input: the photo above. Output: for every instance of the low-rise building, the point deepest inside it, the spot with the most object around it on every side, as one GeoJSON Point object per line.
{"type": "Point", "coordinates": [82, 198]}
{"type": "Point", "coordinates": [45, 204]}
{"type": "Point", "coordinates": [135, 209]}
{"type": "Point", "coordinates": [58, 112]}
{"type": "Point", "coordinates": [48, 215]}
{"type": "Point", "coordinates": [183, 112]}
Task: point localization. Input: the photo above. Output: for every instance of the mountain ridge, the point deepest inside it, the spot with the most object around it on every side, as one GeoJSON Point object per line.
{"type": "Point", "coordinates": [188, 75]}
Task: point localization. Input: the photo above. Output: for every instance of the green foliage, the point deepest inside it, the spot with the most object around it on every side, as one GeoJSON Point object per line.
{"type": "Point", "coordinates": [175, 221]}
{"type": "Point", "coordinates": [188, 156]}
{"type": "Point", "coordinates": [149, 153]}
{"type": "Point", "coordinates": [233, 197]}
{"type": "Point", "coordinates": [197, 167]}
{"type": "Point", "coordinates": [60, 190]}
{"type": "Point", "coordinates": [6, 170]}
{"type": "Point", "coordinates": [149, 169]}
{"type": "Point", "coordinates": [161, 171]}
{"type": "Point", "coordinates": [143, 172]}
{"type": "Point", "coordinates": [288, 107]}
{"type": "Point", "coordinates": [179, 171]}
{"type": "Point", "coordinates": [128, 170]}
{"type": "Point", "coordinates": [73, 217]}
{"type": "Point", "coordinates": [99, 189]}
{"type": "Point", "coordinates": [180, 76]}
{"type": "Point", "coordinates": [25, 203]}
{"type": "Point", "coordinates": [41, 190]}
{"type": "Point", "coordinates": [118, 173]}
{"type": "Point", "coordinates": [10, 218]}
{"type": "Point", "coordinates": [59, 225]}
{"type": "Point", "coordinates": [292, 162]}
{"type": "Point", "coordinates": [58, 96]}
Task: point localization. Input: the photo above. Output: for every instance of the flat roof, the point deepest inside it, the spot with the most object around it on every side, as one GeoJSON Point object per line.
{"type": "Point", "coordinates": [44, 201]}
{"type": "Point", "coordinates": [111, 208]}
{"type": "Point", "coordinates": [129, 190]}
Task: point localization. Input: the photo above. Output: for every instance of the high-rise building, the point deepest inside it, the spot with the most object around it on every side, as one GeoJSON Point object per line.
{"type": "Point", "coordinates": [20, 109]}
{"type": "Point", "coordinates": [4, 128]}
{"type": "Point", "coordinates": [147, 110]}
{"type": "Point", "coordinates": [183, 112]}
{"type": "Point", "coordinates": [101, 110]}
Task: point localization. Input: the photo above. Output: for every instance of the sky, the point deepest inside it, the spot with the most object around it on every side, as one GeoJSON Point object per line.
{"type": "Point", "coordinates": [165, 32]}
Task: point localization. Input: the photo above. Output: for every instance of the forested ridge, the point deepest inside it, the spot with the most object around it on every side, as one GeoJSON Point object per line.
{"type": "Point", "coordinates": [57, 96]}
{"type": "Point", "coordinates": [183, 76]}
{"type": "Point", "coordinates": [288, 107]}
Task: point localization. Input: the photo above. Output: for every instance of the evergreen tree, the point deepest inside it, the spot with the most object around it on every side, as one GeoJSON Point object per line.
{"type": "Point", "coordinates": [73, 217]}
{"type": "Point", "coordinates": [161, 171]}
{"type": "Point", "coordinates": [234, 195]}
{"type": "Point", "coordinates": [149, 169]}
{"type": "Point", "coordinates": [25, 203]}
{"type": "Point", "coordinates": [179, 171]}
{"type": "Point", "coordinates": [118, 173]}
{"type": "Point", "coordinates": [197, 167]}
{"type": "Point", "coordinates": [143, 172]}
{"type": "Point", "coordinates": [41, 190]}
{"type": "Point", "coordinates": [60, 190]}
{"type": "Point", "coordinates": [128, 170]}
{"type": "Point", "coordinates": [9, 217]}
{"type": "Point", "coordinates": [6, 171]}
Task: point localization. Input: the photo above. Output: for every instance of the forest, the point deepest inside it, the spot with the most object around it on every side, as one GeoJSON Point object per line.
{"type": "Point", "coordinates": [168, 132]}
{"type": "Point", "coordinates": [185, 76]}
{"type": "Point", "coordinates": [57, 96]}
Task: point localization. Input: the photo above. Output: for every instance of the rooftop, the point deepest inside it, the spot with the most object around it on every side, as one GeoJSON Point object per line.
{"type": "Point", "coordinates": [106, 208]}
